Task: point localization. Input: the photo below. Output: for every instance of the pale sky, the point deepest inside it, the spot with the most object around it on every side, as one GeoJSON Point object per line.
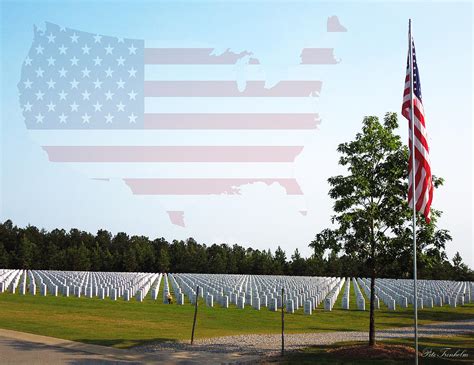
{"type": "Point", "coordinates": [368, 80]}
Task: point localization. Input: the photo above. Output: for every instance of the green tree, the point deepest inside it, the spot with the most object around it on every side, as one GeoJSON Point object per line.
{"type": "Point", "coordinates": [372, 216]}
{"type": "Point", "coordinates": [163, 261]}
{"type": "Point", "coordinates": [461, 270]}
{"type": "Point", "coordinates": [25, 254]}
{"type": "Point", "coordinates": [298, 264]}
{"type": "Point", "coordinates": [280, 262]}
{"type": "Point", "coordinates": [4, 257]}
{"type": "Point", "coordinates": [130, 259]}
{"type": "Point", "coordinates": [333, 264]}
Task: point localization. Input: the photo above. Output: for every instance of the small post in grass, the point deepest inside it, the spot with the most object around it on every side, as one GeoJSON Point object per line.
{"type": "Point", "coordinates": [282, 324]}
{"type": "Point", "coordinates": [195, 314]}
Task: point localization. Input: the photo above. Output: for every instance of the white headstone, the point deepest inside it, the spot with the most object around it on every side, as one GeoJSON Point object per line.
{"type": "Point", "coordinates": [225, 301]}
{"type": "Point", "coordinates": [273, 305]}
{"type": "Point", "coordinates": [327, 304]}
{"type": "Point", "coordinates": [428, 302]}
{"type": "Point", "coordinates": [180, 298]}
{"type": "Point", "coordinates": [256, 303]}
{"type": "Point", "coordinates": [290, 306]}
{"type": "Point", "coordinates": [345, 302]}
{"type": "Point", "coordinates": [210, 300]}
{"type": "Point", "coordinates": [391, 304]}
{"type": "Point", "coordinates": [452, 302]}
{"type": "Point", "coordinates": [23, 288]}
{"type": "Point", "coordinates": [241, 303]}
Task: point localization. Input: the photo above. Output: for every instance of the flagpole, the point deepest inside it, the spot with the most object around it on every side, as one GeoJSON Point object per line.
{"type": "Point", "coordinates": [412, 125]}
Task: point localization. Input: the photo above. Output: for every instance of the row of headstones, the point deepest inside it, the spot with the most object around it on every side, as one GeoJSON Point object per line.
{"type": "Point", "coordinates": [346, 295]}
{"type": "Point", "coordinates": [270, 298]}
{"type": "Point", "coordinates": [360, 300]}
{"type": "Point", "coordinates": [242, 290]}
{"type": "Point", "coordinates": [85, 283]}
{"type": "Point", "coordinates": [392, 296]}
{"type": "Point", "coordinates": [333, 294]}
{"type": "Point", "coordinates": [216, 289]}
{"type": "Point", "coordinates": [9, 280]}
{"type": "Point", "coordinates": [435, 288]}
{"type": "Point", "coordinates": [166, 289]}
{"type": "Point", "coordinates": [430, 293]}
{"type": "Point", "coordinates": [395, 292]}
{"type": "Point", "coordinates": [50, 283]}
{"type": "Point", "coordinates": [44, 282]}
{"type": "Point", "coordinates": [219, 289]}
{"type": "Point", "coordinates": [311, 303]}
{"type": "Point", "coordinates": [178, 293]}
{"type": "Point", "coordinates": [389, 301]}
{"type": "Point", "coordinates": [155, 288]}
{"type": "Point", "coordinates": [84, 279]}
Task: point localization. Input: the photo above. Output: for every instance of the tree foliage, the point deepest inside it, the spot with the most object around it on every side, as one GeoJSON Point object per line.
{"type": "Point", "coordinates": [56, 250]}
{"type": "Point", "coordinates": [372, 219]}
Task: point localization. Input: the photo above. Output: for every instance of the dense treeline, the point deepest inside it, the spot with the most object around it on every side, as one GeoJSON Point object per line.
{"type": "Point", "coordinates": [32, 248]}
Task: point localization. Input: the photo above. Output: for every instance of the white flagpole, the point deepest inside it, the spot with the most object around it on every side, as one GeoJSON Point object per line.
{"type": "Point", "coordinates": [412, 123]}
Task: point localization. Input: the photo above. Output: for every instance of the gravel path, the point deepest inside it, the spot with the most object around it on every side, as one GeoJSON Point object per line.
{"type": "Point", "coordinates": [268, 344]}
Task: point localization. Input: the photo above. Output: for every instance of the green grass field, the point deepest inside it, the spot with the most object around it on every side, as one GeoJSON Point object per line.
{"type": "Point", "coordinates": [125, 324]}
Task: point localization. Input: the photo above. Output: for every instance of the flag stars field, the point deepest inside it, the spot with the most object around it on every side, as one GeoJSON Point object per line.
{"type": "Point", "coordinates": [83, 64]}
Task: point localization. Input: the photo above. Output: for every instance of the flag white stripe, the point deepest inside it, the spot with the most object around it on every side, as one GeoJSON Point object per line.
{"type": "Point", "coordinates": [235, 72]}
{"type": "Point", "coordinates": [421, 149]}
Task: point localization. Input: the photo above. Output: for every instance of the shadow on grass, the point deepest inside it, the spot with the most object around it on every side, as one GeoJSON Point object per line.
{"type": "Point", "coordinates": [320, 355]}
{"type": "Point", "coordinates": [433, 315]}
{"type": "Point", "coordinates": [99, 361]}
{"type": "Point", "coordinates": [25, 346]}
{"type": "Point", "coordinates": [48, 353]}
{"type": "Point", "coordinates": [122, 343]}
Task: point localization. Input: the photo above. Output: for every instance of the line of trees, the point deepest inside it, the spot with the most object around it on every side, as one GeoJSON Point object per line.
{"type": "Point", "coordinates": [33, 248]}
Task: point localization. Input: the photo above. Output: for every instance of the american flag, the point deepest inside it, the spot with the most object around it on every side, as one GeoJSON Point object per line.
{"type": "Point", "coordinates": [118, 108]}
{"type": "Point", "coordinates": [423, 179]}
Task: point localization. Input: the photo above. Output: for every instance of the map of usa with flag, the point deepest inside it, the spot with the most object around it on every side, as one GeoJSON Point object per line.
{"type": "Point", "coordinates": [169, 122]}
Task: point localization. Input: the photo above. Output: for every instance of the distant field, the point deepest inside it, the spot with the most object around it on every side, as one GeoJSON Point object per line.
{"type": "Point", "coordinates": [125, 324]}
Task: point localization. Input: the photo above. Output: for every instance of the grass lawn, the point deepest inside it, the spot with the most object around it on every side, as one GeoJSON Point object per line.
{"type": "Point", "coordinates": [124, 324]}
{"type": "Point", "coordinates": [432, 348]}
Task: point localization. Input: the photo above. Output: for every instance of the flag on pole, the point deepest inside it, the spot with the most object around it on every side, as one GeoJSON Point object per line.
{"type": "Point", "coordinates": [423, 179]}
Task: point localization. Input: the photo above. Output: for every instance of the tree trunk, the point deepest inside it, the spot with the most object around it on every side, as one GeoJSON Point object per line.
{"type": "Point", "coordinates": [372, 309]}
{"type": "Point", "coordinates": [372, 285]}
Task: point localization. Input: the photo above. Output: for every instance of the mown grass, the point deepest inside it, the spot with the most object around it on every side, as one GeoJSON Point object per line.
{"type": "Point", "coordinates": [432, 351]}
{"type": "Point", "coordinates": [125, 324]}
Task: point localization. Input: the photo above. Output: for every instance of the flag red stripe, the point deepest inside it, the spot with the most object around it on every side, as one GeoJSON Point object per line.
{"type": "Point", "coordinates": [232, 186]}
{"type": "Point", "coordinates": [423, 183]}
{"type": "Point", "coordinates": [231, 121]}
{"type": "Point", "coordinates": [172, 153]}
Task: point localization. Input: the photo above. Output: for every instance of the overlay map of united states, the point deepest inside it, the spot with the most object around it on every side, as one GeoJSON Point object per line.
{"type": "Point", "coordinates": [125, 109]}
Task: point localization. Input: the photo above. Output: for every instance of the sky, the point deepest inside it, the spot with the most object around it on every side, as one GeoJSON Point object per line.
{"type": "Point", "coordinates": [367, 80]}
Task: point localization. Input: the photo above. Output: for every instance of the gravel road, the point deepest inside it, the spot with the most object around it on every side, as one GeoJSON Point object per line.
{"type": "Point", "coordinates": [268, 344]}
